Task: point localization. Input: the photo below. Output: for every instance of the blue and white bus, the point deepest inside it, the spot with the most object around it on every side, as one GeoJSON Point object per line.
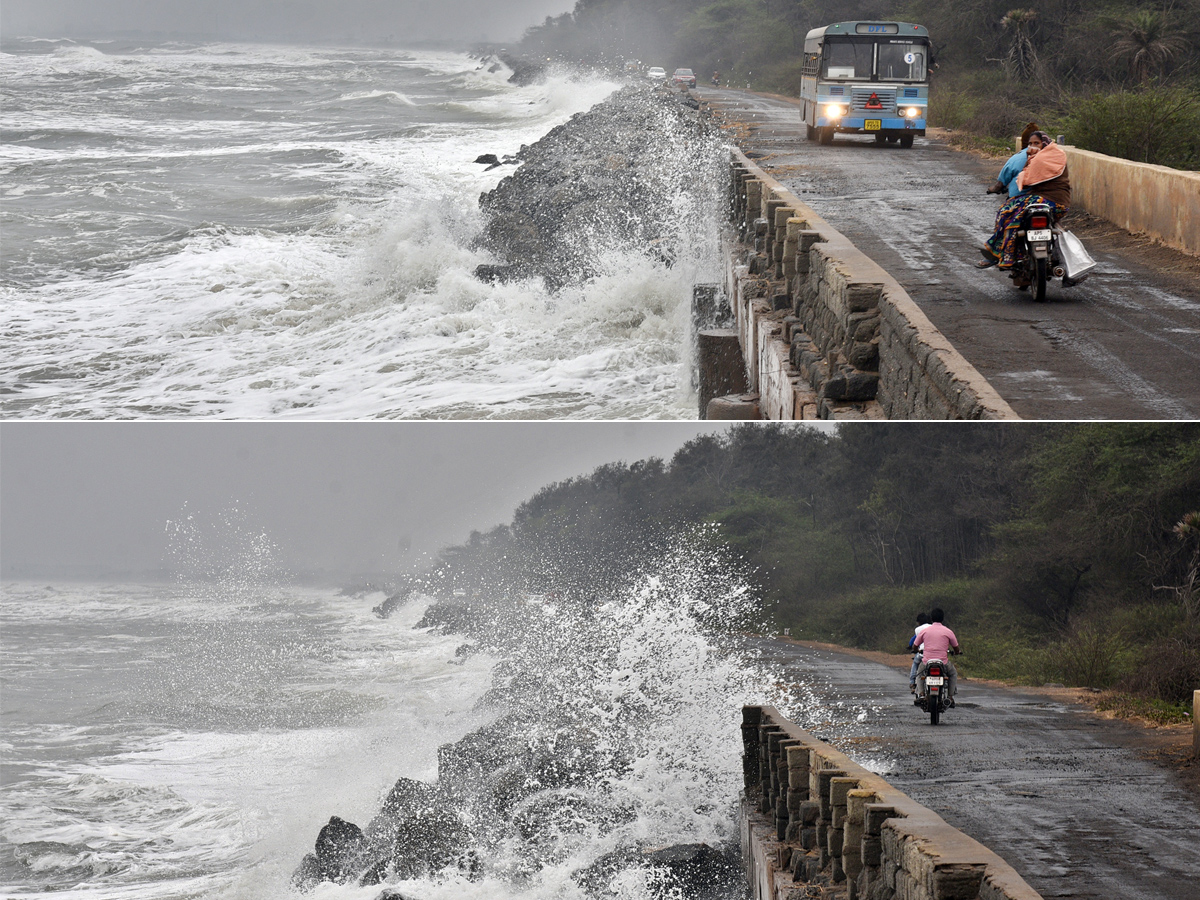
{"type": "Point", "coordinates": [866, 78]}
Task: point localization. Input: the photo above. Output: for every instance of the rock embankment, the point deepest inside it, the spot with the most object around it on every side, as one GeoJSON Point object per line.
{"type": "Point", "coordinates": [629, 174]}
{"type": "Point", "coordinates": [550, 784]}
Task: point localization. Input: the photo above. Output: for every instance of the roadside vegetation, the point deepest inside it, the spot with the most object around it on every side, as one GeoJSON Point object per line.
{"type": "Point", "coordinates": [1119, 76]}
{"type": "Point", "coordinates": [1064, 554]}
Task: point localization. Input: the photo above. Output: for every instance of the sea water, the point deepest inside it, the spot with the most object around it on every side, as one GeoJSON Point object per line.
{"type": "Point", "coordinates": [189, 740]}
{"type": "Point", "coordinates": [260, 231]}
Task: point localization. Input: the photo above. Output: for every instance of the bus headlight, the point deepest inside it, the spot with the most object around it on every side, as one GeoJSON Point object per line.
{"type": "Point", "coordinates": [834, 111]}
{"type": "Point", "coordinates": [913, 111]}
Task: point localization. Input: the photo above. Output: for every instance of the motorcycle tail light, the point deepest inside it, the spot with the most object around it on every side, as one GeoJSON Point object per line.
{"type": "Point", "coordinates": [1039, 222]}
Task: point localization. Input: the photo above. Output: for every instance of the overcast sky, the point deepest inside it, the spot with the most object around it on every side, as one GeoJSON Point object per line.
{"type": "Point", "coordinates": [337, 498]}
{"type": "Point", "coordinates": [399, 21]}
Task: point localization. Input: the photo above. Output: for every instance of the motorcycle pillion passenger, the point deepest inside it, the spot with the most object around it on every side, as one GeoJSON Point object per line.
{"type": "Point", "coordinates": [939, 643]}
{"type": "Point", "coordinates": [915, 645]}
{"type": "Point", "coordinates": [1006, 181]}
{"type": "Point", "coordinates": [1044, 179]}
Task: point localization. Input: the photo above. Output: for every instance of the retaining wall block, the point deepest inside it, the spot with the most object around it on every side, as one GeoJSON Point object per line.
{"type": "Point", "coordinates": [872, 850]}
{"type": "Point", "coordinates": [864, 326]}
{"type": "Point", "coordinates": [864, 356]}
{"type": "Point", "coordinates": [957, 881]}
{"type": "Point", "coordinates": [851, 384]}
{"type": "Point", "coordinates": [875, 814]}
{"type": "Point", "coordinates": [824, 781]}
{"type": "Point", "coordinates": [794, 799]}
{"type": "Point", "coordinates": [770, 208]}
{"type": "Point", "coordinates": [852, 849]}
{"type": "Point", "coordinates": [833, 841]}
{"type": "Point", "coordinates": [840, 788]}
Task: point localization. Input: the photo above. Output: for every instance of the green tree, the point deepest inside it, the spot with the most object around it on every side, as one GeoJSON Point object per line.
{"type": "Point", "coordinates": [1021, 62]}
{"type": "Point", "coordinates": [1148, 40]}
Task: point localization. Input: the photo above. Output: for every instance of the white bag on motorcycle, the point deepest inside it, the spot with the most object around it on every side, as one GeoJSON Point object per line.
{"type": "Point", "coordinates": [1076, 260]}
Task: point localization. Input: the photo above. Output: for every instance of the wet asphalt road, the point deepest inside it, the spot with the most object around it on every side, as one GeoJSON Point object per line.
{"type": "Point", "coordinates": [1123, 345]}
{"type": "Point", "coordinates": [1061, 795]}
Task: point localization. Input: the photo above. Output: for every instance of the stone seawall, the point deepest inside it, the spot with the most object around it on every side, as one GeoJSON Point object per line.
{"type": "Point", "coordinates": [816, 824]}
{"type": "Point", "coordinates": [1158, 201]}
{"type": "Point", "coordinates": [825, 332]}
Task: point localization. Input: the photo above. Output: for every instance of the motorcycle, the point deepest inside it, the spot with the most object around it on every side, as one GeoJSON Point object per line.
{"type": "Point", "coordinates": [935, 699]}
{"type": "Point", "coordinates": [1042, 258]}
{"type": "Point", "coordinates": [1049, 252]}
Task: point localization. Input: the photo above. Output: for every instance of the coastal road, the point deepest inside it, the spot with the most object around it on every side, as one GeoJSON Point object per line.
{"type": "Point", "coordinates": [1123, 345]}
{"type": "Point", "coordinates": [1064, 796]}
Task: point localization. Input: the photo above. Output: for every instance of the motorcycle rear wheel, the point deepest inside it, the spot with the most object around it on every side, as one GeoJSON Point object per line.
{"type": "Point", "coordinates": [1040, 274]}
{"type": "Point", "coordinates": [935, 710]}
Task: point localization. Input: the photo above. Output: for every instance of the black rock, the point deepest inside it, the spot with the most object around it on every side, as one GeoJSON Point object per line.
{"type": "Point", "coordinates": [700, 871]}
{"type": "Point", "coordinates": [308, 874]}
{"type": "Point", "coordinates": [343, 851]}
{"type": "Point", "coordinates": [608, 179]}
{"type": "Point", "coordinates": [488, 159]}
{"type": "Point", "coordinates": [688, 871]}
{"type": "Point", "coordinates": [492, 274]}
{"type": "Point", "coordinates": [391, 604]}
{"type": "Point", "coordinates": [429, 841]}
{"type": "Point", "coordinates": [407, 798]}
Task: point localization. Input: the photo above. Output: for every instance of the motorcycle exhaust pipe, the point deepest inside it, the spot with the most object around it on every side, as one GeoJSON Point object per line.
{"type": "Point", "coordinates": [1059, 271]}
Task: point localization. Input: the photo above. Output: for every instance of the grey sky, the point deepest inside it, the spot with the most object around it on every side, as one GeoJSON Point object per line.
{"type": "Point", "coordinates": [337, 498]}
{"type": "Point", "coordinates": [399, 21]}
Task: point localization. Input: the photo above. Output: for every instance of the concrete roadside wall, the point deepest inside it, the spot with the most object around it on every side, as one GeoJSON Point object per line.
{"type": "Point", "coordinates": [813, 818]}
{"type": "Point", "coordinates": [825, 332]}
{"type": "Point", "coordinates": [1158, 201]}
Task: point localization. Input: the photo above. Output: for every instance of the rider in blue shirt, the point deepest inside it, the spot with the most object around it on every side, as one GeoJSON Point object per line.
{"type": "Point", "coordinates": [1007, 180]}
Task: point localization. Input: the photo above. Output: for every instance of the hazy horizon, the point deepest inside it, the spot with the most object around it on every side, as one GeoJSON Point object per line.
{"type": "Point", "coordinates": [368, 21]}
{"type": "Point", "coordinates": [93, 501]}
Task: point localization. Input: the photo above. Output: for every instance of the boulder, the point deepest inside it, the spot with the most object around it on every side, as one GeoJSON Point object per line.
{"type": "Point", "coordinates": [342, 852]}
{"type": "Point", "coordinates": [683, 871]}
{"type": "Point", "coordinates": [429, 841]}
{"type": "Point", "coordinates": [407, 798]}
{"type": "Point", "coordinates": [607, 179]}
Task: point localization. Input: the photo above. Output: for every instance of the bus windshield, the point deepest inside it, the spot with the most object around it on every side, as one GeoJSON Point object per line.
{"type": "Point", "coordinates": [901, 61]}
{"type": "Point", "coordinates": [848, 59]}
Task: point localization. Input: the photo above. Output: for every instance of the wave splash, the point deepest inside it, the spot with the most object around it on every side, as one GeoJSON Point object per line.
{"type": "Point", "coordinates": [612, 766]}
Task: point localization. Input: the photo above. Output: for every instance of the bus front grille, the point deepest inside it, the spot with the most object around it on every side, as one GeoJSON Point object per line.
{"type": "Point", "coordinates": [868, 101]}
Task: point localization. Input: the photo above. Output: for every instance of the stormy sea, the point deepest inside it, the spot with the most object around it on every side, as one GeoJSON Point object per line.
{"type": "Point", "coordinates": [231, 736]}
{"type": "Point", "coordinates": [245, 231]}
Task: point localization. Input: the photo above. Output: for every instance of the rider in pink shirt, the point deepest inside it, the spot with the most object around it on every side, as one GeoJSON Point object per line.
{"type": "Point", "coordinates": [938, 640]}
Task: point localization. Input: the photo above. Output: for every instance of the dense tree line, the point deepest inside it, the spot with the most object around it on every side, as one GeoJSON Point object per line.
{"type": "Point", "coordinates": [1079, 532]}
{"type": "Point", "coordinates": [1120, 76]}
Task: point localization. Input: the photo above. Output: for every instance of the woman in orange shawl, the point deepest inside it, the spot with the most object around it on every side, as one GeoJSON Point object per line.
{"type": "Point", "coordinates": [1046, 180]}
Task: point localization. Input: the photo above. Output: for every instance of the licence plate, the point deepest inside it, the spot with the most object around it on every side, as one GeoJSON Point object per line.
{"type": "Point", "coordinates": [1040, 234]}
{"type": "Point", "coordinates": [933, 680]}
{"type": "Point", "coordinates": [873, 124]}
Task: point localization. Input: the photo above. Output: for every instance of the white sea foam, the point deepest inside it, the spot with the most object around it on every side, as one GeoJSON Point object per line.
{"type": "Point", "coordinates": [260, 264]}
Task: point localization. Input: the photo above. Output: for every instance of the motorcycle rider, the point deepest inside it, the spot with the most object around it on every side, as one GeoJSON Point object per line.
{"type": "Point", "coordinates": [914, 644]}
{"type": "Point", "coordinates": [939, 642]}
{"type": "Point", "coordinates": [1043, 180]}
{"type": "Point", "coordinates": [1006, 181]}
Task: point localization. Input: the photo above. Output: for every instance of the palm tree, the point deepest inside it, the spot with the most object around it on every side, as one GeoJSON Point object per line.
{"type": "Point", "coordinates": [1148, 39]}
{"type": "Point", "coordinates": [1022, 61]}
